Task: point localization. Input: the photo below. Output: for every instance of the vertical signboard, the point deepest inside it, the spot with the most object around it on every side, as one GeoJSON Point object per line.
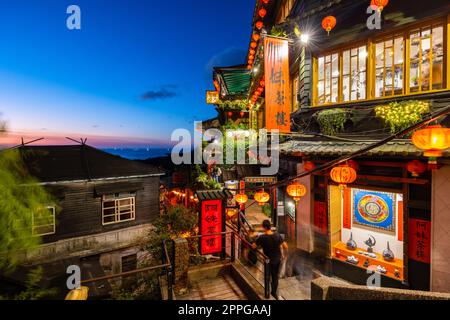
{"type": "Point", "coordinates": [211, 222]}
{"type": "Point", "coordinates": [420, 240]}
{"type": "Point", "coordinates": [278, 98]}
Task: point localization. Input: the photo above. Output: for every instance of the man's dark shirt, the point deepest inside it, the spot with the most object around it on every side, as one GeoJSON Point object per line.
{"type": "Point", "coordinates": [271, 246]}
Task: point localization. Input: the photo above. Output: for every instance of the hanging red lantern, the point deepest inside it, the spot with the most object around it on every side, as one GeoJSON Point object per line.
{"type": "Point", "coordinates": [253, 44]}
{"type": "Point", "coordinates": [416, 168]}
{"type": "Point", "coordinates": [296, 191]}
{"type": "Point", "coordinates": [328, 23]}
{"type": "Point", "coordinates": [241, 198]}
{"type": "Point", "coordinates": [259, 25]}
{"type": "Point", "coordinates": [252, 52]}
{"type": "Point", "coordinates": [262, 83]}
{"type": "Point", "coordinates": [256, 37]}
{"type": "Point", "coordinates": [309, 165]}
{"type": "Point", "coordinates": [433, 140]}
{"type": "Point", "coordinates": [260, 89]}
{"type": "Point", "coordinates": [242, 114]}
{"type": "Point", "coordinates": [251, 57]}
{"type": "Point", "coordinates": [262, 197]}
{"type": "Point", "coordinates": [343, 174]}
{"type": "Point", "coordinates": [379, 5]}
{"type": "Point", "coordinates": [266, 1]}
{"type": "Point", "coordinates": [230, 114]}
{"type": "Point", "coordinates": [262, 12]}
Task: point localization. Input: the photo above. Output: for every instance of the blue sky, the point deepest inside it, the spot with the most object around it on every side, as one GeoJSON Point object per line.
{"type": "Point", "coordinates": [137, 70]}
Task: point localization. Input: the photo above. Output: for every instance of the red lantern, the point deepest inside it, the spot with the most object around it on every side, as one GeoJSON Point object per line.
{"type": "Point", "coordinates": [260, 89]}
{"type": "Point", "coordinates": [253, 44]}
{"type": "Point", "coordinates": [266, 1]}
{"type": "Point", "coordinates": [379, 4]}
{"type": "Point", "coordinates": [256, 37]}
{"type": "Point", "coordinates": [259, 25]}
{"type": "Point", "coordinates": [328, 23]}
{"type": "Point", "coordinates": [309, 165]}
{"type": "Point", "coordinates": [262, 197]}
{"type": "Point", "coordinates": [230, 114]}
{"type": "Point", "coordinates": [252, 52]}
{"type": "Point", "coordinates": [433, 140]}
{"type": "Point", "coordinates": [343, 175]}
{"type": "Point", "coordinates": [249, 67]}
{"type": "Point", "coordinates": [296, 191]}
{"type": "Point", "coordinates": [251, 57]}
{"type": "Point", "coordinates": [241, 198]}
{"type": "Point", "coordinates": [262, 83]}
{"type": "Point", "coordinates": [416, 168]}
{"type": "Point", "coordinates": [242, 114]}
{"type": "Point", "coordinates": [262, 12]}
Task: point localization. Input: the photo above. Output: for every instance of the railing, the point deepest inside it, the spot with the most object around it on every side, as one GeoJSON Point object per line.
{"type": "Point", "coordinates": [166, 269]}
{"type": "Point", "coordinates": [235, 248]}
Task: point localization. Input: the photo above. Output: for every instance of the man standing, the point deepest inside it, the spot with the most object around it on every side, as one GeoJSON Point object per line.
{"type": "Point", "coordinates": [272, 244]}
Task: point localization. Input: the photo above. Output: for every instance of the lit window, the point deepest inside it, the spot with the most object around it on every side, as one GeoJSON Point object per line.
{"type": "Point", "coordinates": [44, 222]}
{"type": "Point", "coordinates": [354, 74]}
{"type": "Point", "coordinates": [389, 67]}
{"type": "Point", "coordinates": [328, 83]}
{"type": "Point", "coordinates": [118, 208]}
{"type": "Point", "coordinates": [426, 59]}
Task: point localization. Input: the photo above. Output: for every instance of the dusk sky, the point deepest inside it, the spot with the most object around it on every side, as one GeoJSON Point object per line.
{"type": "Point", "coordinates": [137, 70]}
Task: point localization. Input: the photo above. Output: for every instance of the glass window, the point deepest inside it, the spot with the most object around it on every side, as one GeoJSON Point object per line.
{"type": "Point", "coordinates": [328, 79]}
{"type": "Point", "coordinates": [44, 222]}
{"type": "Point", "coordinates": [426, 59]}
{"type": "Point", "coordinates": [118, 208]}
{"type": "Point", "coordinates": [354, 74]}
{"type": "Point", "coordinates": [389, 55]}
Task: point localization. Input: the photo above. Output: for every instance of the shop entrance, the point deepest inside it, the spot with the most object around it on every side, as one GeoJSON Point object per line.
{"type": "Point", "coordinates": [366, 228]}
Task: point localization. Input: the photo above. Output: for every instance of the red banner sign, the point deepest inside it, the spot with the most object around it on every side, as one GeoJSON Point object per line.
{"type": "Point", "coordinates": [347, 209]}
{"type": "Point", "coordinates": [211, 223]}
{"type": "Point", "coordinates": [278, 98]}
{"type": "Point", "coordinates": [420, 240]}
{"type": "Point", "coordinates": [320, 217]}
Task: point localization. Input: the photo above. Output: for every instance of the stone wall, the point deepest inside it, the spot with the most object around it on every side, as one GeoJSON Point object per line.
{"type": "Point", "coordinates": [440, 245]}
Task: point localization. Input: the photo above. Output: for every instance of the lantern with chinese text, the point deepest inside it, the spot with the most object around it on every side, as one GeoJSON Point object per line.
{"type": "Point", "coordinates": [343, 174]}
{"type": "Point", "coordinates": [296, 191]}
{"type": "Point", "coordinates": [309, 165]}
{"type": "Point", "coordinates": [262, 197]}
{"type": "Point", "coordinates": [379, 5]}
{"type": "Point", "coordinates": [241, 198]}
{"type": "Point", "coordinates": [262, 12]}
{"type": "Point", "coordinates": [259, 25]}
{"type": "Point", "coordinates": [433, 140]}
{"type": "Point", "coordinates": [328, 23]}
{"type": "Point", "coordinates": [416, 168]}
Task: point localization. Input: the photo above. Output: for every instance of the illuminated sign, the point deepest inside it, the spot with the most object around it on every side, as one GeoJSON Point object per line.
{"type": "Point", "coordinates": [212, 97]}
{"type": "Point", "coordinates": [211, 222]}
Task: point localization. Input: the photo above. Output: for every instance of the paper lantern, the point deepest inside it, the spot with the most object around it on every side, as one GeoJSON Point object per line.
{"type": "Point", "coordinates": [259, 25]}
{"type": "Point", "coordinates": [379, 4]}
{"type": "Point", "coordinates": [262, 12]}
{"type": "Point", "coordinates": [416, 168]}
{"type": "Point", "coordinates": [262, 197]}
{"type": "Point", "coordinates": [230, 114]}
{"type": "Point", "coordinates": [433, 140]}
{"type": "Point", "coordinates": [328, 23]}
{"type": "Point", "coordinates": [266, 1]}
{"type": "Point", "coordinates": [343, 174]}
{"type": "Point", "coordinates": [309, 165]}
{"type": "Point", "coordinates": [296, 191]}
{"type": "Point", "coordinates": [241, 198]}
{"type": "Point", "coordinates": [262, 83]}
{"type": "Point", "coordinates": [252, 52]}
{"type": "Point", "coordinates": [256, 37]}
{"type": "Point", "coordinates": [242, 114]}
{"type": "Point", "coordinates": [253, 44]}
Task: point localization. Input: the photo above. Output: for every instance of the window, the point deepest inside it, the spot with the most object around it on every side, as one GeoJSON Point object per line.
{"type": "Point", "coordinates": [118, 208]}
{"type": "Point", "coordinates": [389, 67]}
{"type": "Point", "coordinates": [354, 74]}
{"type": "Point", "coordinates": [328, 84]}
{"type": "Point", "coordinates": [44, 222]}
{"type": "Point", "coordinates": [295, 84]}
{"type": "Point", "coordinates": [426, 59]}
{"type": "Point", "coordinates": [129, 263]}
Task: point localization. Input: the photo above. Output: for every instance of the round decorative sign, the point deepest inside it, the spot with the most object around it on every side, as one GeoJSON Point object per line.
{"type": "Point", "coordinates": [373, 209]}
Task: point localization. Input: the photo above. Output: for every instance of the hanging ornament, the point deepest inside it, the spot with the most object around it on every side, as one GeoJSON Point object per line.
{"type": "Point", "coordinates": [241, 198]}
{"type": "Point", "coordinates": [262, 197]}
{"type": "Point", "coordinates": [433, 140]}
{"type": "Point", "coordinates": [416, 168]}
{"type": "Point", "coordinates": [256, 37]}
{"type": "Point", "coordinates": [379, 5]}
{"type": "Point", "coordinates": [343, 174]}
{"type": "Point", "coordinates": [252, 52]}
{"type": "Point", "coordinates": [262, 83]}
{"type": "Point", "coordinates": [262, 12]}
{"type": "Point", "coordinates": [296, 191]}
{"type": "Point", "coordinates": [309, 165]}
{"type": "Point", "coordinates": [242, 114]}
{"type": "Point", "coordinates": [253, 44]}
{"type": "Point", "coordinates": [259, 25]}
{"type": "Point", "coordinates": [328, 23]}
{"type": "Point", "coordinates": [230, 114]}
{"type": "Point", "coordinates": [266, 1]}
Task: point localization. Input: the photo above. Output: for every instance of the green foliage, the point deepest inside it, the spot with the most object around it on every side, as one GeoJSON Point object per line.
{"type": "Point", "coordinates": [232, 105]}
{"type": "Point", "coordinates": [332, 121]}
{"type": "Point", "coordinates": [267, 210]}
{"type": "Point", "coordinates": [20, 198]}
{"type": "Point", "coordinates": [33, 289]}
{"type": "Point", "coordinates": [278, 32]}
{"type": "Point", "coordinates": [203, 181]}
{"type": "Point", "coordinates": [402, 115]}
{"type": "Point", "coordinates": [144, 287]}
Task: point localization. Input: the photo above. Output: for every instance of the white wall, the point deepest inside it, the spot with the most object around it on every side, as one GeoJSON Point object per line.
{"type": "Point", "coordinates": [360, 235]}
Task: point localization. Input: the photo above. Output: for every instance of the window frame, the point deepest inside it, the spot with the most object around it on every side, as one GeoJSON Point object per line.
{"type": "Point", "coordinates": [370, 44]}
{"type": "Point", "coordinates": [117, 199]}
{"type": "Point", "coordinates": [34, 227]}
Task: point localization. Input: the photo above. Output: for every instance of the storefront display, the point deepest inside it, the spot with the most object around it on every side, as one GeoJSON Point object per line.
{"type": "Point", "coordinates": [365, 227]}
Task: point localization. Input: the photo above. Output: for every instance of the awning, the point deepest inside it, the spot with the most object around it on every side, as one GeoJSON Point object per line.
{"type": "Point", "coordinates": [401, 148]}
{"type": "Point", "coordinates": [118, 187]}
{"type": "Point", "coordinates": [236, 80]}
{"type": "Point", "coordinates": [214, 195]}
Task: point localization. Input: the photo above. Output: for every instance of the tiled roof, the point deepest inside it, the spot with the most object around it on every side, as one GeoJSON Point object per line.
{"type": "Point", "coordinates": [401, 148]}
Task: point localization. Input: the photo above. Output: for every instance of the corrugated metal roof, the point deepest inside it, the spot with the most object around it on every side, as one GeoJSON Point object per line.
{"type": "Point", "coordinates": [401, 148]}
{"type": "Point", "coordinates": [214, 195]}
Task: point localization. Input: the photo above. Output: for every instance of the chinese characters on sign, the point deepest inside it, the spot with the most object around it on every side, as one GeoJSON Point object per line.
{"type": "Point", "coordinates": [420, 240]}
{"type": "Point", "coordinates": [212, 97]}
{"type": "Point", "coordinates": [211, 223]}
{"type": "Point", "coordinates": [320, 217]}
{"type": "Point", "coordinates": [277, 85]}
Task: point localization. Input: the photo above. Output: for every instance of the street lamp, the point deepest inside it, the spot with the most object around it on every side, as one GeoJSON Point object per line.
{"type": "Point", "coordinates": [304, 38]}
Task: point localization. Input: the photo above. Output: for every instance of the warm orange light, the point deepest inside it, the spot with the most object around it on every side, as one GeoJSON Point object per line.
{"type": "Point", "coordinates": [343, 175]}
{"type": "Point", "coordinates": [256, 37]}
{"type": "Point", "coordinates": [296, 191]}
{"type": "Point", "coordinates": [262, 12]}
{"type": "Point", "coordinates": [253, 44]}
{"type": "Point", "coordinates": [259, 25]}
{"type": "Point", "coordinates": [262, 197]}
{"type": "Point", "coordinates": [309, 165]}
{"type": "Point", "coordinates": [241, 198]}
{"type": "Point", "coordinates": [328, 23]}
{"type": "Point", "coordinates": [379, 4]}
{"type": "Point", "coordinates": [416, 168]}
{"type": "Point", "coordinates": [433, 140]}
